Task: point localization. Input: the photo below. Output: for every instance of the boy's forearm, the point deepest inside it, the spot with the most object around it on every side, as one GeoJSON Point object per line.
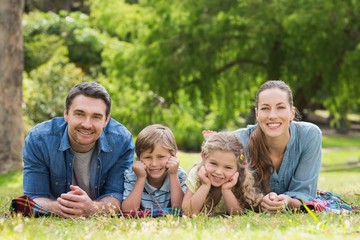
{"type": "Point", "coordinates": [132, 202]}
{"type": "Point", "coordinates": [176, 192]}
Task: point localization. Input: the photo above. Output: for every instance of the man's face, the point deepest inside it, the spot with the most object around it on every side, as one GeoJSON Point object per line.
{"type": "Point", "coordinates": [86, 119]}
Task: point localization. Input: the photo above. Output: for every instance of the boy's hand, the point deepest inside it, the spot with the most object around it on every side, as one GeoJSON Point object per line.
{"type": "Point", "coordinates": [231, 183]}
{"type": "Point", "coordinates": [139, 169]}
{"type": "Point", "coordinates": [203, 175]}
{"type": "Point", "coordinates": [172, 165]}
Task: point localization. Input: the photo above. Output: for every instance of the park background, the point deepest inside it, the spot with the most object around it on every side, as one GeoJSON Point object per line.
{"type": "Point", "coordinates": [190, 65]}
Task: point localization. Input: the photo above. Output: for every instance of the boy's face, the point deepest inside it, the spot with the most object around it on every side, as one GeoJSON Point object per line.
{"type": "Point", "coordinates": [155, 163]}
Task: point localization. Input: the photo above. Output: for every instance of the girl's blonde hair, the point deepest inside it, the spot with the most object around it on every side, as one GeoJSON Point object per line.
{"type": "Point", "coordinates": [152, 135]}
{"type": "Point", "coordinates": [245, 190]}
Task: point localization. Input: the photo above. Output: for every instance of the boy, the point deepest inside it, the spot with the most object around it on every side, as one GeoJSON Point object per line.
{"type": "Point", "coordinates": [156, 180]}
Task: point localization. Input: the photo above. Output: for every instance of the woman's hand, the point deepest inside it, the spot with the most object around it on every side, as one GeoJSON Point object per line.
{"type": "Point", "coordinates": [274, 203]}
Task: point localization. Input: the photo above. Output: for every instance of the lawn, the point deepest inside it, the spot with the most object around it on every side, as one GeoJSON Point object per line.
{"type": "Point", "coordinates": [336, 176]}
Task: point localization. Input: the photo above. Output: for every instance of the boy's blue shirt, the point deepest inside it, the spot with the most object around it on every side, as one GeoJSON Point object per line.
{"type": "Point", "coordinates": [151, 196]}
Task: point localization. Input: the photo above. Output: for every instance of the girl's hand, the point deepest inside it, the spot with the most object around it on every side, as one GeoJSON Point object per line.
{"type": "Point", "coordinates": [172, 165]}
{"type": "Point", "coordinates": [139, 169]}
{"type": "Point", "coordinates": [207, 133]}
{"type": "Point", "coordinates": [231, 183]}
{"type": "Point", "coordinates": [203, 175]}
{"type": "Point", "coordinates": [273, 203]}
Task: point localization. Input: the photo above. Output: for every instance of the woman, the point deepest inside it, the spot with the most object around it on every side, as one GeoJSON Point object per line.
{"type": "Point", "coordinates": [285, 155]}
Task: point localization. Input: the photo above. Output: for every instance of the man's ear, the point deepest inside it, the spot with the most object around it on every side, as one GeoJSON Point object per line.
{"type": "Point", "coordinates": [107, 120]}
{"type": "Point", "coordinates": [66, 116]}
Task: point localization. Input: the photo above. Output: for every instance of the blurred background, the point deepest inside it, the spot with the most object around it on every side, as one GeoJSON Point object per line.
{"type": "Point", "coordinates": [190, 65]}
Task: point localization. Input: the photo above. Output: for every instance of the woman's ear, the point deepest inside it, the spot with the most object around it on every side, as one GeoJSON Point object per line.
{"type": "Point", "coordinates": [293, 113]}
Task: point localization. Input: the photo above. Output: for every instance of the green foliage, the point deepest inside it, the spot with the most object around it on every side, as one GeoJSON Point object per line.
{"type": "Point", "coordinates": [46, 87]}
{"type": "Point", "coordinates": [45, 31]}
{"type": "Point", "coordinates": [223, 50]}
{"type": "Point", "coordinates": [198, 65]}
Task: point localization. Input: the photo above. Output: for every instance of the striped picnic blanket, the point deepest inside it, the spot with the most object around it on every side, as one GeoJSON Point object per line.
{"type": "Point", "coordinates": [330, 202]}
{"type": "Point", "coordinates": [27, 207]}
{"type": "Point", "coordinates": [154, 212]}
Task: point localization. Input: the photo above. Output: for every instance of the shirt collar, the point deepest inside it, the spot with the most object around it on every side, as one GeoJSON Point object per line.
{"type": "Point", "coordinates": [165, 187]}
{"type": "Point", "coordinates": [102, 142]}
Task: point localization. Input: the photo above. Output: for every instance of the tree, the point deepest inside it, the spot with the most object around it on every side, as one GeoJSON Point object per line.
{"type": "Point", "coordinates": [11, 67]}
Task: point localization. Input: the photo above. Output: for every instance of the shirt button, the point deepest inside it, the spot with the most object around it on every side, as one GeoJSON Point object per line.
{"type": "Point", "coordinates": [57, 183]}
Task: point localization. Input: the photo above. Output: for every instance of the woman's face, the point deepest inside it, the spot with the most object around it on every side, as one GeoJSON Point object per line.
{"type": "Point", "coordinates": [274, 113]}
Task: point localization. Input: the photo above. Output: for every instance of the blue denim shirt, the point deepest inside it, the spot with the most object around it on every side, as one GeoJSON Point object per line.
{"type": "Point", "coordinates": [48, 160]}
{"type": "Point", "coordinates": [300, 168]}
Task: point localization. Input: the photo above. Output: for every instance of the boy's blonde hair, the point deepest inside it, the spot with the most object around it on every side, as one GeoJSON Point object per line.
{"type": "Point", "coordinates": [152, 135]}
{"type": "Point", "coordinates": [246, 190]}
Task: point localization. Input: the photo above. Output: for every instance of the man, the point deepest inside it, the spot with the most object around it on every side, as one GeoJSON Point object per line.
{"type": "Point", "coordinates": [74, 165]}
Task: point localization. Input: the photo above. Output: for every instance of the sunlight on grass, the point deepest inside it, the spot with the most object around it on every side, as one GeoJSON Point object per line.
{"type": "Point", "coordinates": [337, 141]}
{"type": "Point", "coordinates": [340, 156]}
{"type": "Point", "coordinates": [343, 181]}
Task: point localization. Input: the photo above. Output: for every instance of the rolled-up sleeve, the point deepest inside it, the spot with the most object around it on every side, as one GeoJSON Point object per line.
{"type": "Point", "coordinates": [303, 184]}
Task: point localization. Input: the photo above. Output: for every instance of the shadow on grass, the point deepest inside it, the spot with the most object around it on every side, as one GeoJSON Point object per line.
{"type": "Point", "coordinates": [340, 168]}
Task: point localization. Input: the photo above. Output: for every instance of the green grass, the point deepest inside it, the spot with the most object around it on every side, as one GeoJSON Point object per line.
{"type": "Point", "coordinates": [250, 226]}
{"type": "Point", "coordinates": [342, 142]}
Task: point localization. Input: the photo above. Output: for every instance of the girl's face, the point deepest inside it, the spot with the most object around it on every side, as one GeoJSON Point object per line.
{"type": "Point", "coordinates": [220, 167]}
{"type": "Point", "coordinates": [274, 113]}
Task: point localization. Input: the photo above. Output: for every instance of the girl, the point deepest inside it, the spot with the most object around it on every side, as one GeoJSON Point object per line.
{"type": "Point", "coordinates": [222, 183]}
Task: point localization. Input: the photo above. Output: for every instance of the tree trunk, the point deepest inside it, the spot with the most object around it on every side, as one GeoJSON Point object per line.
{"type": "Point", "coordinates": [11, 67]}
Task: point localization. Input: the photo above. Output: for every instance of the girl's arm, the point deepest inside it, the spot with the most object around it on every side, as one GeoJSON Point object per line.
{"type": "Point", "coordinates": [231, 202]}
{"type": "Point", "coordinates": [194, 202]}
